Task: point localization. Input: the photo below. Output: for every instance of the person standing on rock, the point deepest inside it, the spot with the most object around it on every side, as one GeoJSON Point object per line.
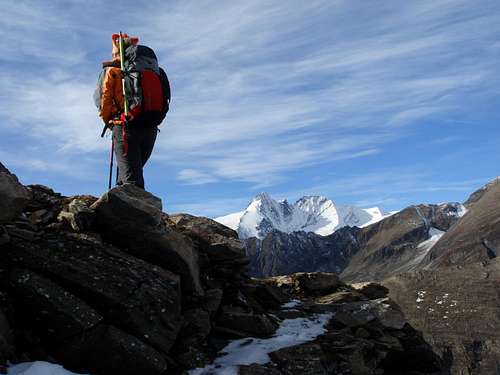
{"type": "Point", "coordinates": [133, 118]}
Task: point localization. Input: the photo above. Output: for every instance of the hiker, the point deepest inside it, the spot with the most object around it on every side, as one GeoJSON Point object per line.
{"type": "Point", "coordinates": [148, 97]}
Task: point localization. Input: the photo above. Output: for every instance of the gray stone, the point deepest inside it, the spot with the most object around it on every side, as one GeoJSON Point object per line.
{"type": "Point", "coordinates": [143, 299]}
{"type": "Point", "coordinates": [246, 324]}
{"type": "Point", "coordinates": [371, 290]}
{"type": "Point", "coordinates": [219, 242]}
{"type": "Point", "coordinates": [79, 216]}
{"type": "Point", "coordinates": [202, 226]}
{"type": "Point", "coordinates": [308, 283]}
{"type": "Point", "coordinates": [106, 349]}
{"type": "Point", "coordinates": [383, 310]}
{"type": "Point", "coordinates": [130, 206]}
{"type": "Point", "coordinates": [13, 196]}
{"type": "Point", "coordinates": [130, 218]}
{"type": "Point", "coordinates": [53, 312]}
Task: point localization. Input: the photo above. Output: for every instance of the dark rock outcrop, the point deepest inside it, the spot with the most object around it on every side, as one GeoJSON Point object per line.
{"type": "Point", "coordinates": [476, 237]}
{"type": "Point", "coordinates": [129, 217]}
{"type": "Point", "coordinates": [114, 285]}
{"type": "Point", "coordinates": [285, 253]}
{"type": "Point", "coordinates": [390, 246]}
{"type": "Point", "coordinates": [13, 195]}
{"type": "Point", "coordinates": [372, 253]}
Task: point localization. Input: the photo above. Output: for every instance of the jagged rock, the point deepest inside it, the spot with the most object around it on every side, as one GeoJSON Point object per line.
{"type": "Point", "coordinates": [359, 313]}
{"type": "Point", "coordinates": [281, 253]}
{"type": "Point", "coordinates": [202, 226]}
{"type": "Point", "coordinates": [246, 324]}
{"type": "Point", "coordinates": [108, 350]}
{"type": "Point", "coordinates": [307, 358]}
{"type": "Point", "coordinates": [371, 290]}
{"type": "Point", "coordinates": [340, 297]}
{"type": "Point", "coordinates": [129, 206]}
{"type": "Point", "coordinates": [270, 296]}
{"type": "Point", "coordinates": [54, 312]}
{"type": "Point", "coordinates": [389, 246]}
{"type": "Point", "coordinates": [43, 197]}
{"type": "Point", "coordinates": [476, 237]}
{"type": "Point", "coordinates": [13, 196]}
{"type": "Point", "coordinates": [219, 242]}
{"type": "Point", "coordinates": [127, 291]}
{"type": "Point", "coordinates": [130, 218]}
{"type": "Point", "coordinates": [308, 283]}
{"type": "Point", "coordinates": [78, 214]}
{"type": "Point", "coordinates": [3, 169]}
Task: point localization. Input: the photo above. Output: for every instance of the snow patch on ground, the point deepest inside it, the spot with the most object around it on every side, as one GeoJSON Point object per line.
{"type": "Point", "coordinates": [420, 296]}
{"type": "Point", "coordinates": [291, 304]}
{"type": "Point", "coordinates": [425, 246]}
{"type": "Point", "coordinates": [38, 368]}
{"type": "Point", "coordinates": [253, 350]}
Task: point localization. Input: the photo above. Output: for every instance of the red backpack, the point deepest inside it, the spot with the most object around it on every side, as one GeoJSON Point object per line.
{"type": "Point", "coordinates": [146, 86]}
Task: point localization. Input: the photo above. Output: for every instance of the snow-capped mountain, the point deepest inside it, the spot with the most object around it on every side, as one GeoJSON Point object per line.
{"type": "Point", "coordinates": [309, 214]}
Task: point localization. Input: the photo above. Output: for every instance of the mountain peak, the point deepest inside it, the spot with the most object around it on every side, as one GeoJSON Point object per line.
{"type": "Point", "coordinates": [312, 213]}
{"type": "Point", "coordinates": [263, 196]}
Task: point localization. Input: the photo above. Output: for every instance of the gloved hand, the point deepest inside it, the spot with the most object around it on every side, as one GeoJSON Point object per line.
{"type": "Point", "coordinates": [124, 118]}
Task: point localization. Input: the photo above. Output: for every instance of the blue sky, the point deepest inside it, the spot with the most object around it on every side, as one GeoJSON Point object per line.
{"type": "Point", "coordinates": [384, 103]}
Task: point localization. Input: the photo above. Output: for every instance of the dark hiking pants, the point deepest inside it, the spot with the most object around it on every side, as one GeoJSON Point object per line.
{"type": "Point", "coordinates": [141, 140]}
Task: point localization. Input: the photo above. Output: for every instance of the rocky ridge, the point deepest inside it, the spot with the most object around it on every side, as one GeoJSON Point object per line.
{"type": "Point", "coordinates": [114, 285]}
{"type": "Point", "coordinates": [393, 245]}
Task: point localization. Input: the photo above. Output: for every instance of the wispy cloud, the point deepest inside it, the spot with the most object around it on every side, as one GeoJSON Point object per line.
{"type": "Point", "coordinates": [194, 177]}
{"type": "Point", "coordinates": [260, 89]}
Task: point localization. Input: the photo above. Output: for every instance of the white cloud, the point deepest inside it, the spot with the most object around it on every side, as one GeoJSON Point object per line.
{"type": "Point", "coordinates": [259, 89]}
{"type": "Point", "coordinates": [194, 177]}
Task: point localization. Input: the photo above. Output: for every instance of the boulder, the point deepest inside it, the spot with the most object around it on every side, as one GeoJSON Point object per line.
{"type": "Point", "coordinates": [371, 290]}
{"type": "Point", "coordinates": [307, 283]}
{"type": "Point", "coordinates": [307, 358]}
{"type": "Point", "coordinates": [106, 349]}
{"type": "Point", "coordinates": [202, 226]}
{"type": "Point", "coordinates": [78, 215]}
{"type": "Point", "coordinates": [340, 297]}
{"type": "Point", "coordinates": [382, 310]}
{"type": "Point", "coordinates": [128, 207]}
{"type": "Point", "coordinates": [13, 196]}
{"type": "Point", "coordinates": [143, 299]}
{"type": "Point", "coordinates": [130, 218]}
{"type": "Point", "coordinates": [244, 324]}
{"type": "Point", "coordinates": [219, 242]}
{"type": "Point", "coordinates": [270, 296]}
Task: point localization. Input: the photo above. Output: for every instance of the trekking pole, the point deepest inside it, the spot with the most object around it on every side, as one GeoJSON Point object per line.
{"type": "Point", "coordinates": [111, 163]}
{"type": "Point", "coordinates": [125, 100]}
